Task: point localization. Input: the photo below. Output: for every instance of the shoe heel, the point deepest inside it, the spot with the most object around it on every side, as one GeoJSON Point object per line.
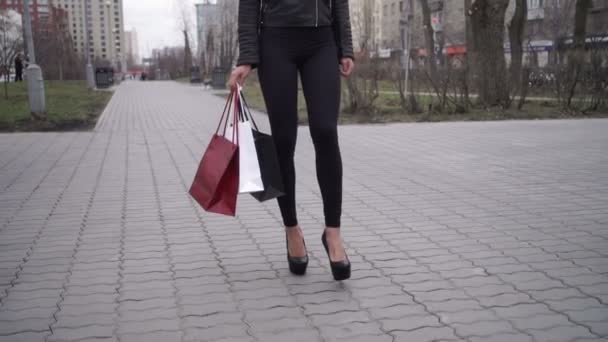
{"type": "Point", "coordinates": [297, 265]}
{"type": "Point", "coordinates": [339, 269]}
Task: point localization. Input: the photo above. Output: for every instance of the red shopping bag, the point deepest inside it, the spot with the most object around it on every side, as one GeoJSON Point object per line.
{"type": "Point", "coordinates": [216, 184]}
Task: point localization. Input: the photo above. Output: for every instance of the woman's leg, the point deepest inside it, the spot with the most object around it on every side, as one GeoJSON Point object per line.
{"type": "Point", "coordinates": [321, 85]}
{"type": "Point", "coordinates": [278, 76]}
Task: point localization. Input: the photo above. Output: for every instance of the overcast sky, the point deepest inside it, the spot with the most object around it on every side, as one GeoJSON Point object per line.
{"type": "Point", "coordinates": [155, 22]}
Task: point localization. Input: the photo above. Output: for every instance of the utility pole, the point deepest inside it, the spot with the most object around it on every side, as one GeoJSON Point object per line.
{"type": "Point", "coordinates": [35, 81]}
{"type": "Point", "coordinates": [89, 67]}
{"type": "Point", "coordinates": [407, 16]}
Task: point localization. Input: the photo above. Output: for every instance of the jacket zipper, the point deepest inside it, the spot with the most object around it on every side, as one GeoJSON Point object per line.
{"type": "Point", "coordinates": [316, 13]}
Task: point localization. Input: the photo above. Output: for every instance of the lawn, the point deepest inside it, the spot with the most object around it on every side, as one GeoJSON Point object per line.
{"type": "Point", "coordinates": [70, 106]}
{"type": "Point", "coordinates": [389, 109]}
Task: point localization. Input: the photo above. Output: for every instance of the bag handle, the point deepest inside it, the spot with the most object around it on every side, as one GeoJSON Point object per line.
{"type": "Point", "coordinates": [224, 118]}
{"type": "Point", "coordinates": [235, 121]}
{"type": "Point", "coordinates": [245, 109]}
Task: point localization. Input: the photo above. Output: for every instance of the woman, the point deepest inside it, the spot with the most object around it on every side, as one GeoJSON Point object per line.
{"type": "Point", "coordinates": [282, 38]}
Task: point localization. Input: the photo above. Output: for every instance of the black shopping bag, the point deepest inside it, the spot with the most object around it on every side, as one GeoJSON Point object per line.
{"type": "Point", "coordinates": [270, 169]}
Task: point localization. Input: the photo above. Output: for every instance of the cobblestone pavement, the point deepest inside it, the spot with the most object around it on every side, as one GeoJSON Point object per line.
{"type": "Point", "coordinates": [491, 231]}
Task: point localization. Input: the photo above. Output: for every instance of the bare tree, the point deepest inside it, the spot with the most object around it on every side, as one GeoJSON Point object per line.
{"type": "Point", "coordinates": [363, 84]}
{"type": "Point", "coordinates": [487, 24]}
{"type": "Point", "coordinates": [468, 59]}
{"type": "Point", "coordinates": [227, 35]}
{"type": "Point", "coordinates": [429, 39]}
{"type": "Point", "coordinates": [208, 55]}
{"type": "Point", "coordinates": [558, 21]}
{"type": "Point", "coordinates": [517, 27]}
{"type": "Point", "coordinates": [11, 43]}
{"type": "Point", "coordinates": [56, 50]}
{"type": "Point", "coordinates": [184, 22]}
{"type": "Point", "coordinates": [575, 62]}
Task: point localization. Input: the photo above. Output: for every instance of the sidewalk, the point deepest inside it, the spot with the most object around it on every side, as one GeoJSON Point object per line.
{"type": "Point", "coordinates": [492, 231]}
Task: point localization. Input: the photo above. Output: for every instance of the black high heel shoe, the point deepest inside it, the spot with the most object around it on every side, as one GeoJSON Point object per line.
{"type": "Point", "coordinates": [297, 265]}
{"type": "Point", "coordinates": [339, 269]}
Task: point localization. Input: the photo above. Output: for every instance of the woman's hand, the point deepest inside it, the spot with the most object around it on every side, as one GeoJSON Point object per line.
{"type": "Point", "coordinates": [238, 76]}
{"type": "Point", "coordinates": [347, 65]}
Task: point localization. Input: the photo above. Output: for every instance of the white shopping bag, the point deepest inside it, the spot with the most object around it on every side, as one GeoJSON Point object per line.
{"type": "Point", "coordinates": [250, 177]}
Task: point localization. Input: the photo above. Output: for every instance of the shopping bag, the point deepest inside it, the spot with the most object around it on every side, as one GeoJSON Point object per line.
{"type": "Point", "coordinates": [269, 168]}
{"type": "Point", "coordinates": [267, 157]}
{"type": "Point", "coordinates": [250, 179]}
{"type": "Point", "coordinates": [215, 185]}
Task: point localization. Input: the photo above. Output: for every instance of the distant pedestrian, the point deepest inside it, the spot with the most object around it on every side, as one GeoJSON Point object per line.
{"type": "Point", "coordinates": [18, 69]}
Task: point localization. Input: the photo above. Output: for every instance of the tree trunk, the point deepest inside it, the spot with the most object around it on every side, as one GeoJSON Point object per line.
{"type": "Point", "coordinates": [516, 37]}
{"type": "Point", "coordinates": [429, 40]}
{"type": "Point", "coordinates": [578, 53]}
{"type": "Point", "coordinates": [487, 21]}
{"type": "Point", "coordinates": [187, 53]}
{"type": "Point", "coordinates": [468, 59]}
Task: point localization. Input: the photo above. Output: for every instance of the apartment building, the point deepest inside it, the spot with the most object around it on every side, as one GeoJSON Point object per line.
{"type": "Point", "coordinates": [104, 22]}
{"type": "Point", "coordinates": [44, 16]}
{"type": "Point", "coordinates": [550, 22]}
{"type": "Point", "coordinates": [132, 47]}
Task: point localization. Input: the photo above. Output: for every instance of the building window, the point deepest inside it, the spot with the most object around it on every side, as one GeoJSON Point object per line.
{"type": "Point", "coordinates": [533, 4]}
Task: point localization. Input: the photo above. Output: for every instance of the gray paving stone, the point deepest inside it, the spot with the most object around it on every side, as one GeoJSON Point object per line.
{"type": "Point", "coordinates": [426, 334]}
{"type": "Point", "coordinates": [25, 325]}
{"type": "Point", "coordinates": [483, 328]}
{"type": "Point", "coordinates": [215, 333]}
{"type": "Point", "coordinates": [467, 316]}
{"type": "Point", "coordinates": [362, 338]}
{"type": "Point", "coordinates": [503, 338]}
{"type": "Point", "coordinates": [136, 327]}
{"type": "Point", "coordinates": [278, 325]}
{"type": "Point", "coordinates": [505, 300]}
{"type": "Point", "coordinates": [294, 335]}
{"type": "Point", "coordinates": [489, 238]}
{"type": "Point", "coordinates": [68, 321]}
{"type": "Point", "coordinates": [147, 304]}
{"type": "Point", "coordinates": [209, 321]}
{"type": "Point", "coordinates": [158, 336]}
{"type": "Point", "coordinates": [398, 311]}
{"type": "Point", "coordinates": [386, 301]}
{"type": "Point", "coordinates": [40, 312]}
{"type": "Point", "coordinates": [563, 333]}
{"type": "Point", "coordinates": [351, 330]}
{"type": "Point", "coordinates": [340, 318]}
{"type": "Point", "coordinates": [150, 314]}
{"type": "Point", "coordinates": [540, 321]}
{"type": "Point", "coordinates": [25, 337]}
{"type": "Point", "coordinates": [330, 307]}
{"type": "Point", "coordinates": [71, 334]}
{"type": "Point", "coordinates": [409, 323]}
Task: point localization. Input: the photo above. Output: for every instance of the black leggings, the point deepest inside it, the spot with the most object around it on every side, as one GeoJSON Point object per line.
{"type": "Point", "coordinates": [313, 53]}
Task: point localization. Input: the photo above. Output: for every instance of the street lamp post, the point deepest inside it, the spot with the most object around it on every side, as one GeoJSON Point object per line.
{"type": "Point", "coordinates": [35, 81]}
{"type": "Point", "coordinates": [89, 68]}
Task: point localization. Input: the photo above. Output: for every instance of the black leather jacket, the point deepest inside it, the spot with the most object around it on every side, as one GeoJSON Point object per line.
{"type": "Point", "coordinates": [283, 13]}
